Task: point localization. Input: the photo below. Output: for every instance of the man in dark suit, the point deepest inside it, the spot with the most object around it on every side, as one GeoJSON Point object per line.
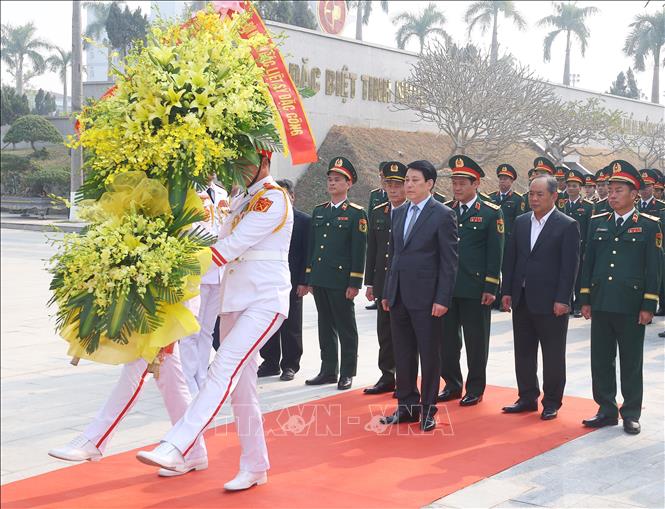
{"type": "Point", "coordinates": [418, 291]}
{"type": "Point", "coordinates": [288, 339]}
{"type": "Point", "coordinates": [539, 270]}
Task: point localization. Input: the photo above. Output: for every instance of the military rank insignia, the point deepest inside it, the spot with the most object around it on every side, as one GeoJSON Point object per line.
{"type": "Point", "coordinates": [637, 229]}
{"type": "Point", "coordinates": [523, 207]}
{"type": "Point", "coordinates": [362, 225]}
{"type": "Point", "coordinates": [500, 226]}
{"type": "Point", "coordinates": [562, 203]}
{"type": "Point", "coordinates": [659, 240]}
{"type": "Point", "coordinates": [476, 219]}
{"type": "Point", "coordinates": [262, 205]}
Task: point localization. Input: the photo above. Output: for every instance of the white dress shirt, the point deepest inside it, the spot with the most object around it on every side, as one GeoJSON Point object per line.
{"type": "Point", "coordinates": [537, 226]}
{"type": "Point", "coordinates": [625, 216]}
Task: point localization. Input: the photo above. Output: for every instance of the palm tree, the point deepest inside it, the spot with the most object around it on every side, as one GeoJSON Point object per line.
{"type": "Point", "coordinates": [363, 12]}
{"type": "Point", "coordinates": [18, 44]}
{"type": "Point", "coordinates": [420, 26]}
{"type": "Point", "coordinates": [97, 13]}
{"type": "Point", "coordinates": [485, 13]}
{"type": "Point", "coordinates": [59, 63]}
{"type": "Point", "coordinates": [647, 36]}
{"type": "Point", "coordinates": [569, 19]}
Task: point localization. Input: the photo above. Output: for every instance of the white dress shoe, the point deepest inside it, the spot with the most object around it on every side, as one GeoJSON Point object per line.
{"type": "Point", "coordinates": [245, 480]}
{"type": "Point", "coordinates": [79, 449]}
{"type": "Point", "coordinates": [200, 463]}
{"type": "Point", "coordinates": [165, 455]}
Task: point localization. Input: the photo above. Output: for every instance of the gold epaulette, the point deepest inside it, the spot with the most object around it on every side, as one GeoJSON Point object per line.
{"type": "Point", "coordinates": [491, 205]}
{"type": "Point", "coordinates": [375, 190]}
{"type": "Point", "coordinates": [649, 216]}
{"type": "Point", "coordinates": [325, 203]}
{"type": "Point", "coordinates": [355, 206]}
{"type": "Point", "coordinates": [599, 215]}
{"type": "Point", "coordinates": [521, 195]}
{"type": "Point", "coordinates": [587, 201]}
{"type": "Point", "coordinates": [380, 205]}
{"type": "Point", "coordinates": [451, 204]}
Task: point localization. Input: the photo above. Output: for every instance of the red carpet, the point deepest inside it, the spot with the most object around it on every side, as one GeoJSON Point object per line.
{"type": "Point", "coordinates": [339, 459]}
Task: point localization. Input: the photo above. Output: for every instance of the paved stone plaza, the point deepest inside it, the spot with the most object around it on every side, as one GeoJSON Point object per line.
{"type": "Point", "coordinates": [46, 402]}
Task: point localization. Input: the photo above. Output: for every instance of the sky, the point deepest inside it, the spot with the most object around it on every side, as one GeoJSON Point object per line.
{"type": "Point", "coordinates": [603, 60]}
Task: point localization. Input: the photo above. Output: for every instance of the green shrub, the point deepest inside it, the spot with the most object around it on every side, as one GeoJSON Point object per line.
{"type": "Point", "coordinates": [41, 154]}
{"type": "Point", "coordinates": [46, 181]}
{"type": "Point", "coordinates": [13, 171]}
{"type": "Point", "coordinates": [32, 128]}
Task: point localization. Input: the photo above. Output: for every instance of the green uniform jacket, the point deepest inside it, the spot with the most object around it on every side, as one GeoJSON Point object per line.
{"type": "Point", "coordinates": [621, 269]}
{"type": "Point", "coordinates": [378, 240]}
{"type": "Point", "coordinates": [376, 197]}
{"type": "Point", "coordinates": [480, 248]}
{"type": "Point", "coordinates": [337, 246]}
{"type": "Point", "coordinates": [601, 206]}
{"type": "Point", "coordinates": [441, 198]}
{"type": "Point", "coordinates": [512, 206]}
{"type": "Point", "coordinates": [581, 212]}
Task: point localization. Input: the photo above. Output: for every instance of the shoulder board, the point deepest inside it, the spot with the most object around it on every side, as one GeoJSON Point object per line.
{"type": "Point", "coordinates": [484, 195]}
{"type": "Point", "coordinates": [494, 193]}
{"type": "Point", "coordinates": [450, 203]}
{"type": "Point", "coordinates": [649, 216]}
{"type": "Point", "coordinates": [381, 205]}
{"type": "Point", "coordinates": [491, 205]}
{"type": "Point", "coordinates": [521, 195]}
{"type": "Point", "coordinates": [588, 202]}
{"type": "Point", "coordinates": [602, 214]}
{"type": "Point", "coordinates": [355, 206]}
{"type": "Point", "coordinates": [322, 204]}
{"type": "Point", "coordinates": [375, 190]}
{"type": "Point", "coordinates": [660, 201]}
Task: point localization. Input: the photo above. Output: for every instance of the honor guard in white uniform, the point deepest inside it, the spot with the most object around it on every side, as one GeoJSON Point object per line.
{"type": "Point", "coordinates": [90, 444]}
{"type": "Point", "coordinates": [195, 349]}
{"type": "Point", "coordinates": [253, 248]}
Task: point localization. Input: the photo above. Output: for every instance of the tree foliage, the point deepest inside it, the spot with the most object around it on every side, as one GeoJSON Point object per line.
{"type": "Point", "coordinates": [457, 89]}
{"type": "Point", "coordinates": [364, 12]}
{"type": "Point", "coordinates": [486, 13]}
{"type": "Point", "coordinates": [22, 53]}
{"type": "Point", "coordinates": [647, 37]}
{"type": "Point", "coordinates": [12, 105]}
{"type": "Point", "coordinates": [59, 63]}
{"type": "Point", "coordinates": [625, 85]}
{"type": "Point", "coordinates": [289, 12]}
{"type": "Point", "coordinates": [31, 129]}
{"type": "Point", "coordinates": [646, 139]}
{"type": "Point", "coordinates": [421, 26]}
{"type": "Point", "coordinates": [44, 103]}
{"type": "Point", "coordinates": [124, 28]}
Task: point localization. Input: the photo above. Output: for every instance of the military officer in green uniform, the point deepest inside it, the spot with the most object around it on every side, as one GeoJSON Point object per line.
{"type": "Point", "coordinates": [659, 186]}
{"type": "Point", "coordinates": [335, 274]}
{"type": "Point", "coordinates": [378, 195]}
{"type": "Point", "coordinates": [481, 238]}
{"type": "Point", "coordinates": [590, 188]}
{"type": "Point", "coordinates": [647, 202]}
{"type": "Point", "coordinates": [543, 166]}
{"type": "Point", "coordinates": [511, 202]}
{"type": "Point", "coordinates": [560, 175]}
{"type": "Point", "coordinates": [602, 205]}
{"type": "Point", "coordinates": [620, 279]}
{"type": "Point", "coordinates": [441, 198]}
{"type": "Point", "coordinates": [581, 211]}
{"type": "Point", "coordinates": [378, 239]}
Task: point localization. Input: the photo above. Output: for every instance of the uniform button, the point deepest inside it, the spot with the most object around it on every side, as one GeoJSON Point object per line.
{"type": "Point", "coordinates": [340, 267]}
{"type": "Point", "coordinates": [633, 239]}
{"type": "Point", "coordinates": [616, 239]}
{"type": "Point", "coordinates": [327, 224]}
{"type": "Point", "coordinates": [611, 265]}
{"type": "Point", "coordinates": [474, 227]}
{"type": "Point", "coordinates": [386, 256]}
{"type": "Point", "coordinates": [635, 287]}
{"type": "Point", "coordinates": [614, 252]}
{"type": "Point", "coordinates": [321, 247]}
{"type": "Point", "coordinates": [609, 278]}
{"type": "Point", "coordinates": [319, 259]}
{"type": "Point", "coordinates": [325, 235]}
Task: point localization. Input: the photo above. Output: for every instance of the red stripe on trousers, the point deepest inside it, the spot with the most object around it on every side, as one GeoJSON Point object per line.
{"type": "Point", "coordinates": [228, 388]}
{"type": "Point", "coordinates": [124, 410]}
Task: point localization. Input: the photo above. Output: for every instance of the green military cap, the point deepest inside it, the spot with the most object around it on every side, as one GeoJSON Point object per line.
{"type": "Point", "coordinates": [590, 179]}
{"type": "Point", "coordinates": [394, 170]}
{"type": "Point", "coordinates": [603, 174]}
{"type": "Point", "coordinates": [661, 180]}
{"type": "Point", "coordinates": [344, 167]}
{"type": "Point", "coordinates": [560, 172]}
{"type": "Point", "coordinates": [575, 176]}
{"type": "Point", "coordinates": [464, 166]}
{"type": "Point", "coordinates": [543, 164]}
{"type": "Point", "coordinates": [381, 164]}
{"type": "Point", "coordinates": [623, 171]}
{"type": "Point", "coordinates": [506, 170]}
{"type": "Point", "coordinates": [531, 173]}
{"type": "Point", "coordinates": [649, 176]}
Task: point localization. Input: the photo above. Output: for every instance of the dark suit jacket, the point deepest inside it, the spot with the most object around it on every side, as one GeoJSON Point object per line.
{"type": "Point", "coordinates": [298, 248]}
{"type": "Point", "coordinates": [422, 270]}
{"type": "Point", "coordinates": [549, 270]}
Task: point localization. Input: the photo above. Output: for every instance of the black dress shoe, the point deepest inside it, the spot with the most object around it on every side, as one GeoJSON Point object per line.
{"type": "Point", "coordinates": [373, 305]}
{"type": "Point", "coordinates": [380, 388]}
{"type": "Point", "coordinates": [428, 422]}
{"type": "Point", "coordinates": [548, 414]}
{"type": "Point", "coordinates": [267, 370]}
{"type": "Point", "coordinates": [661, 334]}
{"type": "Point", "coordinates": [600, 420]}
{"type": "Point", "coordinates": [470, 400]}
{"type": "Point", "coordinates": [448, 395]}
{"type": "Point", "coordinates": [344, 383]}
{"type": "Point", "coordinates": [577, 314]}
{"type": "Point", "coordinates": [287, 375]}
{"type": "Point", "coordinates": [322, 379]}
{"type": "Point", "coordinates": [660, 312]}
{"type": "Point", "coordinates": [631, 426]}
{"type": "Point", "coordinates": [521, 406]}
{"type": "Point", "coordinates": [401, 415]}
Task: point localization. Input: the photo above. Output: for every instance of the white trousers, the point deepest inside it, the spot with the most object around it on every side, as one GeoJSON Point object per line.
{"type": "Point", "coordinates": [171, 384]}
{"type": "Point", "coordinates": [195, 349]}
{"type": "Point", "coordinates": [233, 373]}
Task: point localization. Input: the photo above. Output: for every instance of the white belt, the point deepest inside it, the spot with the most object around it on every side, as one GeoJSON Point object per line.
{"type": "Point", "coordinates": [263, 256]}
